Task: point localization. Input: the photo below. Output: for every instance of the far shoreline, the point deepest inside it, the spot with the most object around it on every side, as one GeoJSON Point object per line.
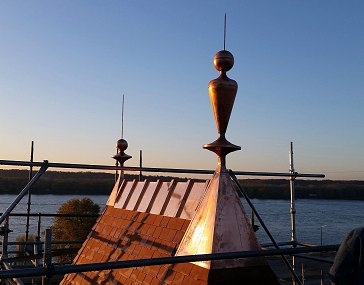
{"type": "Point", "coordinates": [100, 183]}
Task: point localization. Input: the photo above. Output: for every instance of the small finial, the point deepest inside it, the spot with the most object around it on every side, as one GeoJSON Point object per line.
{"type": "Point", "coordinates": [121, 156]}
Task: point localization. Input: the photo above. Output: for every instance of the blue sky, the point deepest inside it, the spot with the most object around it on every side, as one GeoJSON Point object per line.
{"type": "Point", "coordinates": [64, 66]}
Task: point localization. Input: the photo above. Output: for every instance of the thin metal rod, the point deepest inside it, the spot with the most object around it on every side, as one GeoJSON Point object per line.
{"type": "Point", "coordinates": [225, 31]}
{"type": "Point", "coordinates": [151, 169]}
{"type": "Point", "coordinates": [122, 118]}
{"type": "Point", "coordinates": [64, 269]}
{"type": "Point", "coordinates": [264, 226]}
{"type": "Point", "coordinates": [140, 165]}
{"type": "Point", "coordinates": [29, 192]}
{"type": "Point", "coordinates": [22, 193]}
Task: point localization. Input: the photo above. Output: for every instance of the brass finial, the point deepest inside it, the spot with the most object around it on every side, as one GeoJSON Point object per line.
{"type": "Point", "coordinates": [121, 156]}
{"type": "Point", "coordinates": [222, 92]}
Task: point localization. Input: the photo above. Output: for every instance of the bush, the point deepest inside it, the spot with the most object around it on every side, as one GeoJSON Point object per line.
{"type": "Point", "coordinates": [74, 228]}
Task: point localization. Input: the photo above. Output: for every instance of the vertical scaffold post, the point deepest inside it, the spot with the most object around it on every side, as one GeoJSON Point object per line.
{"type": "Point", "coordinates": [291, 184]}
{"type": "Point", "coordinates": [116, 172]}
{"type": "Point", "coordinates": [140, 165]}
{"type": "Point", "coordinates": [292, 205]}
{"type": "Point", "coordinates": [47, 256]}
{"type": "Point", "coordinates": [5, 240]}
{"type": "Point", "coordinates": [37, 245]}
{"type": "Point", "coordinates": [29, 194]}
{"type": "Point", "coordinates": [292, 191]}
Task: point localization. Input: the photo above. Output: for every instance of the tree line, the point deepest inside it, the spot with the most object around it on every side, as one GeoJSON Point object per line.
{"type": "Point", "coordinates": [67, 183]}
{"type": "Point", "coordinates": [304, 189]}
{"type": "Point", "coordinates": [100, 183]}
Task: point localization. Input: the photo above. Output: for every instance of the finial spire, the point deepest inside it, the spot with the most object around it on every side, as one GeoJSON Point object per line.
{"type": "Point", "coordinates": [122, 118]}
{"type": "Point", "coordinates": [224, 31]}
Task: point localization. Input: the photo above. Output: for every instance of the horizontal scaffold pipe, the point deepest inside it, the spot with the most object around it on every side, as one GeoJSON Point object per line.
{"type": "Point", "coordinates": [42, 242]}
{"type": "Point", "coordinates": [77, 268]}
{"type": "Point", "coordinates": [153, 169]}
{"type": "Point", "coordinates": [53, 215]}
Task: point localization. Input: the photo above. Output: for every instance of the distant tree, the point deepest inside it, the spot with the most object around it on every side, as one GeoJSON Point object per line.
{"type": "Point", "coordinates": [74, 228]}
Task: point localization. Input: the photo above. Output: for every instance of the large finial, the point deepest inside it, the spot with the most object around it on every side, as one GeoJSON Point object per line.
{"type": "Point", "coordinates": [222, 92]}
{"type": "Point", "coordinates": [220, 223]}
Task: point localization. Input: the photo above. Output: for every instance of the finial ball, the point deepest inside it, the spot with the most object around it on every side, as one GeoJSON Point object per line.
{"type": "Point", "coordinates": [223, 60]}
{"type": "Point", "coordinates": [122, 144]}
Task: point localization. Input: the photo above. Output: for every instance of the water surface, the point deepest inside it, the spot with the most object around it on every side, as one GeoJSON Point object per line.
{"type": "Point", "coordinates": [331, 217]}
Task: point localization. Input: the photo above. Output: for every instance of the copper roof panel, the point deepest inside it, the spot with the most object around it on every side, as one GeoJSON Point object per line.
{"type": "Point", "coordinates": [147, 200]}
{"type": "Point", "coordinates": [172, 199]}
{"type": "Point", "coordinates": [193, 199]}
{"type": "Point", "coordinates": [131, 200]}
{"type": "Point", "coordinates": [114, 192]}
{"type": "Point", "coordinates": [157, 206]}
{"type": "Point", "coordinates": [124, 191]}
{"type": "Point", "coordinates": [175, 201]}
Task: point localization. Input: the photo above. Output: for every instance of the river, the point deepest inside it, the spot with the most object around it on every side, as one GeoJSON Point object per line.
{"type": "Point", "coordinates": [317, 221]}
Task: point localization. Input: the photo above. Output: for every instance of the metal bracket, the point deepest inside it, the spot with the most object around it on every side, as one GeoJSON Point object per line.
{"type": "Point", "coordinates": [4, 230]}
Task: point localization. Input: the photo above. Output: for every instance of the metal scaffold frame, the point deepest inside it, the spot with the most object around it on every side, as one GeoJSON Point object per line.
{"type": "Point", "coordinates": [49, 269]}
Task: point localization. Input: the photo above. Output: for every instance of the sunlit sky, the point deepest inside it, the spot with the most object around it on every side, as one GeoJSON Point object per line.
{"type": "Point", "coordinates": [64, 66]}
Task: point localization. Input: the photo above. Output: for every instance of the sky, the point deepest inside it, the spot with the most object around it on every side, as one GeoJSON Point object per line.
{"type": "Point", "coordinates": [64, 66]}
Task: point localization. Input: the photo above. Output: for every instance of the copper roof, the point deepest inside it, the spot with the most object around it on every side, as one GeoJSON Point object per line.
{"type": "Point", "coordinates": [124, 232]}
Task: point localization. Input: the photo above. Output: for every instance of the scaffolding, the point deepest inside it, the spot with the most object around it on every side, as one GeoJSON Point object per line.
{"type": "Point", "coordinates": [42, 257]}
